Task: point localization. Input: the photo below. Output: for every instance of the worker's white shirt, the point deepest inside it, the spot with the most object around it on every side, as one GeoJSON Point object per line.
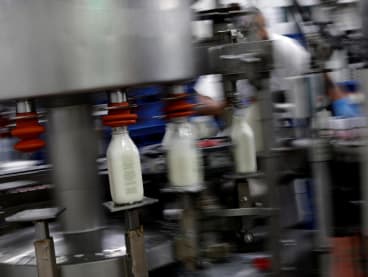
{"type": "Point", "coordinates": [290, 59]}
{"type": "Point", "coordinates": [210, 86]}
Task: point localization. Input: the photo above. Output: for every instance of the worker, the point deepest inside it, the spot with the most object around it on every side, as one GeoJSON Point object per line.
{"type": "Point", "coordinates": [290, 59]}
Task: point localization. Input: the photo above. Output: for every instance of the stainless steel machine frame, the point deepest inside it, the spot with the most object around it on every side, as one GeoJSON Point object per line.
{"type": "Point", "coordinates": [72, 144]}
{"type": "Point", "coordinates": [59, 48]}
{"type": "Point", "coordinates": [52, 47]}
{"type": "Point", "coordinates": [319, 157]}
{"type": "Point", "coordinates": [253, 61]}
{"type": "Point", "coordinates": [363, 78]}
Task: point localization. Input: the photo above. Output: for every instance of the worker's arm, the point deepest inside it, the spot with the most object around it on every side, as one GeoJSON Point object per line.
{"type": "Point", "coordinates": [332, 90]}
{"type": "Point", "coordinates": [341, 105]}
{"type": "Point", "coordinates": [208, 106]}
{"type": "Point", "coordinates": [210, 95]}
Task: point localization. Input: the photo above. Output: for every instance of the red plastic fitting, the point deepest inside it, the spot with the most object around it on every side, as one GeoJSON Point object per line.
{"type": "Point", "coordinates": [262, 263]}
{"type": "Point", "coordinates": [119, 115]}
{"type": "Point", "coordinates": [28, 130]}
{"type": "Point", "coordinates": [178, 106]}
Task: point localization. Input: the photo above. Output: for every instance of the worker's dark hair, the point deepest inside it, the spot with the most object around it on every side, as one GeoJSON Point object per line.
{"type": "Point", "coordinates": [254, 10]}
{"type": "Point", "coordinates": [234, 6]}
{"type": "Point", "coordinates": [248, 23]}
{"type": "Point", "coordinates": [255, 13]}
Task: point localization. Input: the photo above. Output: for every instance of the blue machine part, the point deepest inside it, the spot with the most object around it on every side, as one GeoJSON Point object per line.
{"type": "Point", "coordinates": [150, 127]}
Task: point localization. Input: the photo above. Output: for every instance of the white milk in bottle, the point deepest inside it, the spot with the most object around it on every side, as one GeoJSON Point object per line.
{"type": "Point", "coordinates": [243, 144]}
{"type": "Point", "coordinates": [125, 174]}
{"type": "Point", "coordinates": [183, 156]}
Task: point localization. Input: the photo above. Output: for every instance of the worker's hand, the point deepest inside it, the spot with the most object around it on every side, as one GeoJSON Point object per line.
{"type": "Point", "coordinates": [208, 106]}
{"type": "Point", "coordinates": [344, 108]}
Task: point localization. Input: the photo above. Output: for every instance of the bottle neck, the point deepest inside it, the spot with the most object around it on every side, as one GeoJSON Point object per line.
{"type": "Point", "coordinates": [179, 120]}
{"type": "Point", "coordinates": [120, 130]}
{"type": "Point", "coordinates": [182, 127]}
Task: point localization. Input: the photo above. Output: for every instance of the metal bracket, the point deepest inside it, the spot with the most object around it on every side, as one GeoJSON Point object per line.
{"type": "Point", "coordinates": [320, 151]}
{"type": "Point", "coordinates": [45, 256]}
{"type": "Point", "coordinates": [122, 208]}
{"type": "Point", "coordinates": [134, 235]}
{"type": "Point", "coordinates": [240, 212]}
{"type": "Point", "coordinates": [246, 57]}
{"type": "Point", "coordinates": [134, 240]}
{"type": "Point", "coordinates": [187, 249]}
{"type": "Point", "coordinates": [44, 245]}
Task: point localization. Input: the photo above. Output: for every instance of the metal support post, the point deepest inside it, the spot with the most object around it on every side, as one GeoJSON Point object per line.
{"type": "Point", "coordinates": [188, 252]}
{"type": "Point", "coordinates": [44, 244]}
{"type": "Point", "coordinates": [319, 159]}
{"type": "Point", "coordinates": [363, 78]}
{"type": "Point", "coordinates": [134, 240]}
{"type": "Point", "coordinates": [73, 151]}
{"type": "Point", "coordinates": [134, 235]}
{"type": "Point", "coordinates": [245, 201]}
{"type": "Point", "coordinates": [265, 99]}
{"type": "Point", "coordinates": [187, 246]}
{"type": "Point", "coordinates": [45, 251]}
{"type": "Point", "coordinates": [364, 207]}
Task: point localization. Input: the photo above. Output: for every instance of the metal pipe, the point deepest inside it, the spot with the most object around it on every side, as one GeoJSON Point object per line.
{"type": "Point", "coordinates": [189, 251]}
{"type": "Point", "coordinates": [73, 150]}
{"type": "Point", "coordinates": [363, 74]}
{"type": "Point", "coordinates": [24, 106]}
{"type": "Point", "coordinates": [321, 177]}
{"type": "Point", "coordinates": [178, 89]}
{"type": "Point", "coordinates": [265, 99]}
{"type": "Point", "coordinates": [132, 221]}
{"type": "Point", "coordinates": [45, 251]}
{"type": "Point", "coordinates": [42, 230]}
{"type": "Point", "coordinates": [118, 96]}
{"type": "Point", "coordinates": [45, 256]}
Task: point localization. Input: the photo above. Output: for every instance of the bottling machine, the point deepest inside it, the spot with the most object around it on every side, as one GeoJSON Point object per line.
{"type": "Point", "coordinates": [56, 55]}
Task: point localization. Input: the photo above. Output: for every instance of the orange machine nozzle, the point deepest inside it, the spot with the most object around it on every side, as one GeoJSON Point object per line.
{"type": "Point", "coordinates": [28, 130]}
{"type": "Point", "coordinates": [119, 115]}
{"type": "Point", "coordinates": [178, 106]}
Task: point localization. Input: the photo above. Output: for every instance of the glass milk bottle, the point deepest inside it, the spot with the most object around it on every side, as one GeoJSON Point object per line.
{"type": "Point", "coordinates": [253, 118]}
{"type": "Point", "coordinates": [125, 174]}
{"type": "Point", "coordinates": [169, 131]}
{"type": "Point", "coordinates": [244, 146]}
{"type": "Point", "coordinates": [183, 156]}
